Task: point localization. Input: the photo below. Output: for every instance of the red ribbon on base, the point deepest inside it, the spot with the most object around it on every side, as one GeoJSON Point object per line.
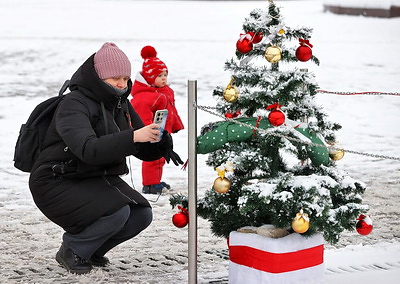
{"type": "Point", "coordinates": [276, 262]}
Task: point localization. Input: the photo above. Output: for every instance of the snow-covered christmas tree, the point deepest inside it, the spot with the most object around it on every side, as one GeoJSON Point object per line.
{"type": "Point", "coordinates": [274, 152]}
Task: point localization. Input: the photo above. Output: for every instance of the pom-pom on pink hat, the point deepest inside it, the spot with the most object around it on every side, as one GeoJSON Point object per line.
{"type": "Point", "coordinates": [110, 62]}
{"type": "Point", "coordinates": [152, 66]}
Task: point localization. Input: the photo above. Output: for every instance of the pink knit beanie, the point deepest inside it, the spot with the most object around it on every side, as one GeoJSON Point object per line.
{"type": "Point", "coordinates": [152, 66]}
{"type": "Point", "coordinates": [110, 62]}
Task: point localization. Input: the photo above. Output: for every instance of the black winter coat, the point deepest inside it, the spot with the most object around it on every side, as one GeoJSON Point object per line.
{"type": "Point", "coordinates": [75, 180]}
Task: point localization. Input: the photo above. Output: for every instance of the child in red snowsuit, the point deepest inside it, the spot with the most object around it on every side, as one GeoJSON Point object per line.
{"type": "Point", "coordinates": [150, 93]}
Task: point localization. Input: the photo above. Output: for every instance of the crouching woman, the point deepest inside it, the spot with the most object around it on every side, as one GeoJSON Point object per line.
{"type": "Point", "coordinates": [76, 180]}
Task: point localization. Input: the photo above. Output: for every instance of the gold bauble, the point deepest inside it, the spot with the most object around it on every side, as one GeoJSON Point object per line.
{"type": "Point", "coordinates": [335, 154]}
{"type": "Point", "coordinates": [273, 54]}
{"type": "Point", "coordinates": [231, 94]}
{"type": "Point", "coordinates": [300, 223]}
{"type": "Point", "coordinates": [221, 185]}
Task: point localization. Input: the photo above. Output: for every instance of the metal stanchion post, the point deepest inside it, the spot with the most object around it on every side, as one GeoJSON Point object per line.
{"type": "Point", "coordinates": [192, 180]}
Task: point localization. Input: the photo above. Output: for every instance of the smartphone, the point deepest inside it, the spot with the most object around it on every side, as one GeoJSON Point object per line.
{"type": "Point", "coordinates": [160, 118]}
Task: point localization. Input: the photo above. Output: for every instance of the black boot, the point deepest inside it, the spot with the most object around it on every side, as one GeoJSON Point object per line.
{"type": "Point", "coordinates": [99, 260]}
{"type": "Point", "coordinates": [72, 262]}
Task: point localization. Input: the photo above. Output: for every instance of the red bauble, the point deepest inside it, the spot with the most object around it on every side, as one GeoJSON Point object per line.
{"type": "Point", "coordinates": [256, 38]}
{"type": "Point", "coordinates": [180, 219]}
{"type": "Point", "coordinates": [276, 117]}
{"type": "Point", "coordinates": [303, 53]}
{"type": "Point", "coordinates": [233, 115]}
{"type": "Point", "coordinates": [364, 225]}
{"type": "Point", "coordinates": [244, 45]}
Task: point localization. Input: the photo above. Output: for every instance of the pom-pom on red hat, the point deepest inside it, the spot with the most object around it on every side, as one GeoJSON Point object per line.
{"type": "Point", "coordinates": [152, 66]}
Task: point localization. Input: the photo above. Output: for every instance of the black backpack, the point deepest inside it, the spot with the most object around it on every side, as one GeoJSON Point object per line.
{"type": "Point", "coordinates": [32, 133]}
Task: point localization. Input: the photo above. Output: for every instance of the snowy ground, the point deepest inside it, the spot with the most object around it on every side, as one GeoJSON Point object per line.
{"type": "Point", "coordinates": [370, 4]}
{"type": "Point", "coordinates": [43, 42]}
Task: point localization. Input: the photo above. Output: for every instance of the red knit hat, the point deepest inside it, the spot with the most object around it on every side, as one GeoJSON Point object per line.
{"type": "Point", "coordinates": [152, 66]}
{"type": "Point", "coordinates": [110, 62]}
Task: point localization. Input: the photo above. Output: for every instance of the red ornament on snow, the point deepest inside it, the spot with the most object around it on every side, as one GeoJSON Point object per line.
{"type": "Point", "coordinates": [304, 52]}
{"type": "Point", "coordinates": [276, 117]}
{"type": "Point", "coordinates": [256, 37]}
{"type": "Point", "coordinates": [181, 219]}
{"type": "Point", "coordinates": [364, 225]}
{"type": "Point", "coordinates": [244, 44]}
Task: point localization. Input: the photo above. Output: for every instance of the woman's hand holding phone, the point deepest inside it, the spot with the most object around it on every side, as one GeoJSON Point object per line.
{"type": "Point", "coordinates": [149, 133]}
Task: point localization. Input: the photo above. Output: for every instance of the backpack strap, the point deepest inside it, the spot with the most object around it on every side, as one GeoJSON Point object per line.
{"type": "Point", "coordinates": [63, 88]}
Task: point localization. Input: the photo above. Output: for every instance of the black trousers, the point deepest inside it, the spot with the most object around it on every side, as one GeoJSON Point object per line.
{"type": "Point", "coordinates": [109, 231]}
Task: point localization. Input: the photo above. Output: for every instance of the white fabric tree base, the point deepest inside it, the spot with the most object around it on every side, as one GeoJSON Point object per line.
{"type": "Point", "coordinates": [287, 260]}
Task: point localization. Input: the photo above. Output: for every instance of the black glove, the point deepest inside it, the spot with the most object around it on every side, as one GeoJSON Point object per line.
{"type": "Point", "coordinates": [166, 147]}
{"type": "Point", "coordinates": [174, 157]}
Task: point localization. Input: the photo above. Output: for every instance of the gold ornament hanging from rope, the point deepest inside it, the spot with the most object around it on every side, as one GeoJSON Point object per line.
{"type": "Point", "coordinates": [335, 154]}
{"type": "Point", "coordinates": [273, 54]}
{"type": "Point", "coordinates": [231, 92]}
